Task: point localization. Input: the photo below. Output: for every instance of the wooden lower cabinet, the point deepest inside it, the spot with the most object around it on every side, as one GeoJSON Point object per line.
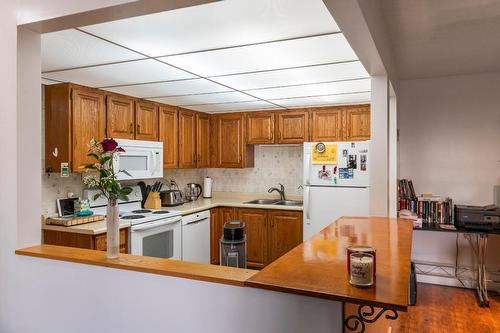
{"type": "Point", "coordinates": [284, 232]}
{"type": "Point", "coordinates": [84, 241]}
{"type": "Point", "coordinates": [256, 230]}
{"type": "Point", "coordinates": [270, 233]}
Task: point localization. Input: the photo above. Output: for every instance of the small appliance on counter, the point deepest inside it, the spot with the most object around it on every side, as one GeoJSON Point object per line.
{"type": "Point", "coordinates": [171, 198]}
{"type": "Point", "coordinates": [233, 245]}
{"type": "Point", "coordinates": [207, 187]}
{"type": "Point", "coordinates": [193, 191]}
{"type": "Point", "coordinates": [477, 217]}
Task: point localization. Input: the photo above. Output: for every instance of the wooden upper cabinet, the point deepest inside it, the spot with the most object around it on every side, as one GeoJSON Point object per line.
{"type": "Point", "coordinates": [230, 144]}
{"type": "Point", "coordinates": [293, 126]}
{"type": "Point", "coordinates": [146, 121]}
{"type": "Point", "coordinates": [326, 124]}
{"type": "Point", "coordinates": [120, 117]}
{"type": "Point", "coordinates": [256, 231]}
{"type": "Point", "coordinates": [260, 127]}
{"type": "Point", "coordinates": [202, 140]}
{"type": "Point", "coordinates": [357, 122]}
{"type": "Point", "coordinates": [285, 232]}
{"type": "Point", "coordinates": [88, 122]}
{"type": "Point", "coordinates": [187, 138]}
{"type": "Point", "coordinates": [169, 135]}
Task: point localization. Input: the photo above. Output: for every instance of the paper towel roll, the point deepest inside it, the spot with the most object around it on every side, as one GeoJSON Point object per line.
{"type": "Point", "coordinates": [207, 187]}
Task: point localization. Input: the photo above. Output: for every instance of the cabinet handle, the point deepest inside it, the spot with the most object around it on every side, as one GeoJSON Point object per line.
{"type": "Point", "coordinates": [138, 128]}
{"type": "Point", "coordinates": [272, 135]}
{"type": "Point", "coordinates": [239, 158]}
{"type": "Point", "coordinates": [279, 135]}
{"type": "Point", "coordinates": [199, 157]}
{"type": "Point", "coordinates": [131, 128]}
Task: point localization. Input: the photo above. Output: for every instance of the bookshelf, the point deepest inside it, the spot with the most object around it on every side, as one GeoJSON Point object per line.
{"type": "Point", "coordinates": [430, 208]}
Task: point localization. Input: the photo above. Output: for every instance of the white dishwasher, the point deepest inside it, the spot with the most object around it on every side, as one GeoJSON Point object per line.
{"type": "Point", "coordinates": [196, 237]}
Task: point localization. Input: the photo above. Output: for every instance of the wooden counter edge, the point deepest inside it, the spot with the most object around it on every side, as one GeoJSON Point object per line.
{"type": "Point", "coordinates": [168, 267]}
{"type": "Point", "coordinates": [332, 297]}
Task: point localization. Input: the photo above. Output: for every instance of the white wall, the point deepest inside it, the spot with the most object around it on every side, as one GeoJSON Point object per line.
{"type": "Point", "coordinates": [450, 146]}
{"type": "Point", "coordinates": [40, 295]}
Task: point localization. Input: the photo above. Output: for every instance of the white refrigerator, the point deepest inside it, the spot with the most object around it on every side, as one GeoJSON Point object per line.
{"type": "Point", "coordinates": [336, 182]}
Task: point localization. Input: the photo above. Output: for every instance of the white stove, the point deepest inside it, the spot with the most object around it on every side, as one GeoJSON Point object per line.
{"type": "Point", "coordinates": [153, 232]}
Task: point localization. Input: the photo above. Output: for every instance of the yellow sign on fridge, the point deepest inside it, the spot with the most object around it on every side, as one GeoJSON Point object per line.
{"type": "Point", "coordinates": [328, 156]}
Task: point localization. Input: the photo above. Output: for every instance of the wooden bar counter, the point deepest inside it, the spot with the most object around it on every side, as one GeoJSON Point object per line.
{"type": "Point", "coordinates": [318, 266]}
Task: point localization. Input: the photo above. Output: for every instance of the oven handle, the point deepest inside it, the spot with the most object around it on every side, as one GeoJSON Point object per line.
{"type": "Point", "coordinates": [154, 224]}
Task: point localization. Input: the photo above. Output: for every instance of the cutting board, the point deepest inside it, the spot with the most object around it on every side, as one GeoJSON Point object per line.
{"type": "Point", "coordinates": [70, 221]}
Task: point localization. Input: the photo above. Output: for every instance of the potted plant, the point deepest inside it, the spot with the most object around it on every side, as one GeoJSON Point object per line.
{"type": "Point", "coordinates": [106, 180]}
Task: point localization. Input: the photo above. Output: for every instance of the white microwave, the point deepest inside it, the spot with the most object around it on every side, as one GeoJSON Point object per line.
{"type": "Point", "coordinates": [141, 159]}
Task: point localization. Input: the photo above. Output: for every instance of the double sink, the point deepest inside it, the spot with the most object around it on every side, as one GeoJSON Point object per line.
{"type": "Point", "coordinates": [275, 202]}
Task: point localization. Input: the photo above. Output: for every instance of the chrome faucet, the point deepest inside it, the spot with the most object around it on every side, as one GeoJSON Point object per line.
{"type": "Point", "coordinates": [280, 190]}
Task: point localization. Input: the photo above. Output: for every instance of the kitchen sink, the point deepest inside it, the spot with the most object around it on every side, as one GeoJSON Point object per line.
{"type": "Point", "coordinates": [263, 201]}
{"type": "Point", "coordinates": [290, 203]}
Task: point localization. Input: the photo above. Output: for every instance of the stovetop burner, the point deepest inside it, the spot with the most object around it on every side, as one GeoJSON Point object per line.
{"type": "Point", "coordinates": [133, 217]}
{"type": "Point", "coordinates": [161, 212]}
{"type": "Point", "coordinates": [141, 211]}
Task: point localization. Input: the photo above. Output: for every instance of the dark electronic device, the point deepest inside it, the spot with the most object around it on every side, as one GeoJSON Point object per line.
{"type": "Point", "coordinates": [66, 207]}
{"type": "Point", "coordinates": [478, 218]}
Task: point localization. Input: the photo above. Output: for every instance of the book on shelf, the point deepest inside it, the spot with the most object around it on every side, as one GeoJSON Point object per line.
{"type": "Point", "coordinates": [430, 208]}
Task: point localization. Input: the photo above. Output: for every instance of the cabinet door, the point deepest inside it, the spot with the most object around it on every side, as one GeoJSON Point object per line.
{"type": "Point", "coordinates": [100, 241]}
{"type": "Point", "coordinates": [260, 127]}
{"type": "Point", "coordinates": [293, 126]}
{"type": "Point", "coordinates": [120, 117]}
{"type": "Point", "coordinates": [146, 121]}
{"type": "Point", "coordinates": [88, 122]}
{"type": "Point", "coordinates": [202, 140]}
{"type": "Point", "coordinates": [326, 124]}
{"type": "Point", "coordinates": [230, 141]}
{"type": "Point", "coordinates": [256, 230]}
{"type": "Point", "coordinates": [285, 232]}
{"type": "Point", "coordinates": [169, 135]}
{"type": "Point", "coordinates": [357, 122]}
{"type": "Point", "coordinates": [215, 233]}
{"type": "Point", "coordinates": [187, 138]}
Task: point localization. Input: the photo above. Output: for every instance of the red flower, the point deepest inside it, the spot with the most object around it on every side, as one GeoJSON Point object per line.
{"type": "Point", "coordinates": [109, 145]}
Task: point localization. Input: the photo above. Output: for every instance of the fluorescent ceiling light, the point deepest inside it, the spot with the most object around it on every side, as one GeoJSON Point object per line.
{"type": "Point", "coordinates": [324, 100]}
{"type": "Point", "coordinates": [256, 105]}
{"type": "Point", "coordinates": [316, 89]}
{"type": "Point", "coordinates": [225, 97]}
{"type": "Point", "coordinates": [122, 73]}
{"type": "Point", "coordinates": [306, 75]}
{"type": "Point", "coordinates": [290, 53]}
{"type": "Point", "coordinates": [72, 48]}
{"type": "Point", "coordinates": [174, 88]}
{"type": "Point", "coordinates": [218, 24]}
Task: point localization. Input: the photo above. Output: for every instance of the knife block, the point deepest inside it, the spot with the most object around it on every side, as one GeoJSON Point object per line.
{"type": "Point", "coordinates": [153, 201]}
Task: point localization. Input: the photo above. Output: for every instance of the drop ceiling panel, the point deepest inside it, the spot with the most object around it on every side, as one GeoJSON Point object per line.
{"type": "Point", "coordinates": [256, 105]}
{"type": "Point", "coordinates": [295, 76]}
{"type": "Point", "coordinates": [224, 97]}
{"type": "Point", "coordinates": [132, 72]}
{"type": "Point", "coordinates": [218, 24]}
{"type": "Point", "coordinates": [72, 48]}
{"type": "Point", "coordinates": [185, 87]}
{"type": "Point", "coordinates": [327, 88]}
{"type": "Point", "coordinates": [324, 100]}
{"type": "Point", "coordinates": [291, 53]}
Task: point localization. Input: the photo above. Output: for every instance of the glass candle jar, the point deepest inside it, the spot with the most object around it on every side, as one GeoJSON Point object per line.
{"type": "Point", "coordinates": [361, 269]}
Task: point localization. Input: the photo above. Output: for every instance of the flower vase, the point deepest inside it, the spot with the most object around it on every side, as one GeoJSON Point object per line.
{"type": "Point", "coordinates": [112, 230]}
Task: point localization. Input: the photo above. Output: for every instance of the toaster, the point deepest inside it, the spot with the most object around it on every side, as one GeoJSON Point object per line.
{"type": "Point", "coordinates": [170, 198]}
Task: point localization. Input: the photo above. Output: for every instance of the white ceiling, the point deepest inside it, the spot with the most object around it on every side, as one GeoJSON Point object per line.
{"type": "Point", "coordinates": [223, 56]}
{"type": "Point", "coordinates": [447, 37]}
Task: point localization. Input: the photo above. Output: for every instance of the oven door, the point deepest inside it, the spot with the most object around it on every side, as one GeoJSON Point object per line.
{"type": "Point", "coordinates": [161, 239]}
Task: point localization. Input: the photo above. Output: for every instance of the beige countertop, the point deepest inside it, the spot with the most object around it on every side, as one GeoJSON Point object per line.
{"type": "Point", "coordinates": [219, 199]}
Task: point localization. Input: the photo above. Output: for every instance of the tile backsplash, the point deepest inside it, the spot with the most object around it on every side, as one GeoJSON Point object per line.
{"type": "Point", "coordinates": [273, 165]}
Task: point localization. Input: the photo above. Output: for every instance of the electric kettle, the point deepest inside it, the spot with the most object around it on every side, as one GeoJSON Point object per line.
{"type": "Point", "coordinates": [193, 191]}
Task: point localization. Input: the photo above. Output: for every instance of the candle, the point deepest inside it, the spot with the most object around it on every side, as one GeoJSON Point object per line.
{"type": "Point", "coordinates": [361, 269]}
